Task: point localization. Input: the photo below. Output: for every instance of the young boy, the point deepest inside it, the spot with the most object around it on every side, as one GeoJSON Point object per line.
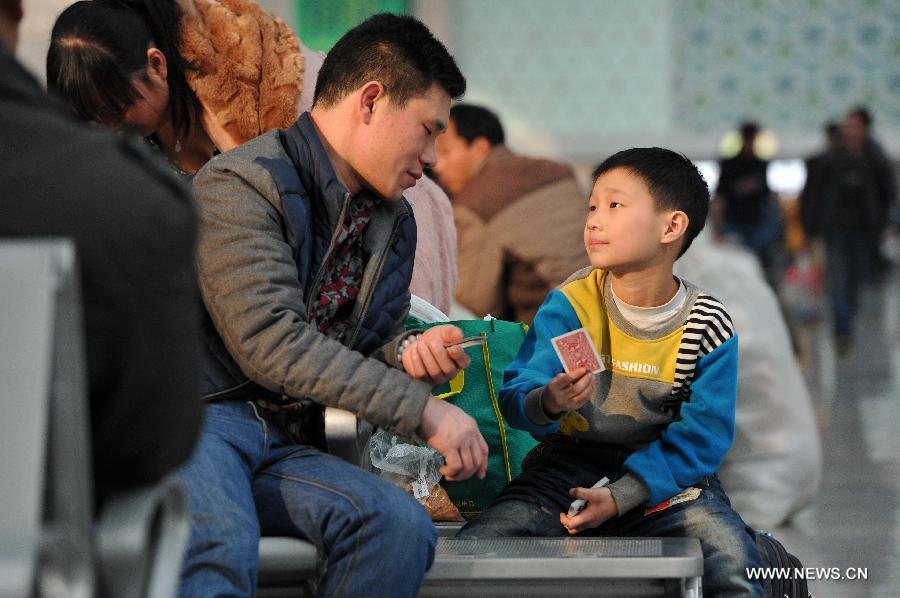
{"type": "Point", "coordinates": [659, 418]}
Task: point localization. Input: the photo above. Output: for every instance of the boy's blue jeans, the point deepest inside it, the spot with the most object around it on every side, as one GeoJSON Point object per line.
{"type": "Point", "coordinates": [530, 506]}
{"type": "Point", "coordinates": [248, 477]}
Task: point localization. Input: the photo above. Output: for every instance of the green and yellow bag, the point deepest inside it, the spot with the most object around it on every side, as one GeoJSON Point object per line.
{"type": "Point", "coordinates": [475, 390]}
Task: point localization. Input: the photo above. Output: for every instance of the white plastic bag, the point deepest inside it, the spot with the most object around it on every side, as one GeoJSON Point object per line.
{"type": "Point", "coordinates": [405, 462]}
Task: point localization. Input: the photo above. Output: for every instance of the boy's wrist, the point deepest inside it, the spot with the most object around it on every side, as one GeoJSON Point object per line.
{"type": "Point", "coordinates": [535, 409]}
{"type": "Point", "coordinates": [547, 404]}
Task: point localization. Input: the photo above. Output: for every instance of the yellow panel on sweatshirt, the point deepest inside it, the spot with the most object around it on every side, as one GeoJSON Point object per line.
{"type": "Point", "coordinates": [652, 360]}
{"type": "Point", "coordinates": [623, 354]}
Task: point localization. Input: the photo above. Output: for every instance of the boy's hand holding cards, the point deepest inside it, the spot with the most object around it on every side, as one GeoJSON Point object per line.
{"type": "Point", "coordinates": [573, 388]}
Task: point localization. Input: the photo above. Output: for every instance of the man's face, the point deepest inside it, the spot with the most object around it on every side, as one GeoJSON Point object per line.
{"type": "Point", "coordinates": [623, 229]}
{"type": "Point", "coordinates": [458, 161]}
{"type": "Point", "coordinates": [399, 142]}
{"type": "Point", "coordinates": [854, 131]}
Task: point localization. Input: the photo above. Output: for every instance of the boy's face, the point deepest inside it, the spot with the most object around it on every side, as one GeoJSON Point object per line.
{"type": "Point", "coordinates": [400, 143]}
{"type": "Point", "coordinates": [624, 228]}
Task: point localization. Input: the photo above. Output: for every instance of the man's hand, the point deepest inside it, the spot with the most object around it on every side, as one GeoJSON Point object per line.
{"type": "Point", "coordinates": [568, 392]}
{"type": "Point", "coordinates": [454, 434]}
{"type": "Point", "coordinates": [428, 360]}
{"type": "Point", "coordinates": [600, 506]}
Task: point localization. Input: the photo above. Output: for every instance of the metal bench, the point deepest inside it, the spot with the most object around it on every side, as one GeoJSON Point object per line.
{"type": "Point", "coordinates": [50, 544]}
{"type": "Point", "coordinates": [513, 567]}
{"type": "Point", "coordinates": [507, 567]}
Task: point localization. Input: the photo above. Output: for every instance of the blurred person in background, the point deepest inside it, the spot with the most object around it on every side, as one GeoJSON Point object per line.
{"type": "Point", "coordinates": [882, 186]}
{"type": "Point", "coordinates": [518, 218]}
{"type": "Point", "coordinates": [811, 199]}
{"type": "Point", "coordinates": [857, 192]}
{"type": "Point", "coordinates": [749, 212]}
{"type": "Point", "coordinates": [134, 229]}
{"type": "Point", "coordinates": [774, 466]}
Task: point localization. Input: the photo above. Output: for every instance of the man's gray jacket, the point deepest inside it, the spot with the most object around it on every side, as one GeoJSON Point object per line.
{"type": "Point", "coordinates": [269, 212]}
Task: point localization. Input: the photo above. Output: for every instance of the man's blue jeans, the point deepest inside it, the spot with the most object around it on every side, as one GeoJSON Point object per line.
{"type": "Point", "coordinates": [530, 506]}
{"type": "Point", "coordinates": [248, 477]}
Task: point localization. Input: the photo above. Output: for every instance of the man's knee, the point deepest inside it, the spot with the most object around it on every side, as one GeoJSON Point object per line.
{"type": "Point", "coordinates": [403, 517]}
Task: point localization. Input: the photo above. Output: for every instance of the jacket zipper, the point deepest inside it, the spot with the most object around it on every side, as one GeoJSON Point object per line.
{"type": "Point", "coordinates": [314, 289]}
{"type": "Point", "coordinates": [376, 275]}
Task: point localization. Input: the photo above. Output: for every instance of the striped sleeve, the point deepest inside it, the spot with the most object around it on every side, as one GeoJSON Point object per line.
{"type": "Point", "coordinates": [708, 325]}
{"type": "Point", "coordinates": [693, 446]}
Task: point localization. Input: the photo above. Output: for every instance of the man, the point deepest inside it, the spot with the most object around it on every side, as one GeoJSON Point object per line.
{"type": "Point", "coordinates": [518, 219]}
{"type": "Point", "coordinates": [858, 189]}
{"type": "Point", "coordinates": [304, 263]}
{"type": "Point", "coordinates": [810, 199]}
{"type": "Point", "coordinates": [858, 141]}
{"type": "Point", "coordinates": [134, 231]}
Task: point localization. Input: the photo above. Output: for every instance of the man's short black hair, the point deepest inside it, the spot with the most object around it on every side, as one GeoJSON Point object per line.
{"type": "Point", "coordinates": [673, 180]}
{"type": "Point", "coordinates": [477, 121]}
{"type": "Point", "coordinates": [11, 9]}
{"type": "Point", "coordinates": [397, 51]}
{"type": "Point", "coordinates": [749, 129]}
{"type": "Point", "coordinates": [863, 114]}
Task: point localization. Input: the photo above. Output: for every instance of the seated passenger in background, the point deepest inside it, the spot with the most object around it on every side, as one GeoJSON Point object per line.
{"type": "Point", "coordinates": [659, 417]}
{"type": "Point", "coordinates": [517, 218]}
{"type": "Point", "coordinates": [774, 467]}
{"type": "Point", "coordinates": [134, 230]}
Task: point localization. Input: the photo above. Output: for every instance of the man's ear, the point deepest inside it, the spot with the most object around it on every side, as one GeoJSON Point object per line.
{"type": "Point", "coordinates": [481, 146]}
{"type": "Point", "coordinates": [370, 95]}
{"type": "Point", "coordinates": [156, 64]}
{"type": "Point", "coordinates": [676, 226]}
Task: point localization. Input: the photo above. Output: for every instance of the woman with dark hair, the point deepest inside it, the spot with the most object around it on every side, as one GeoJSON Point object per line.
{"type": "Point", "coordinates": [194, 77]}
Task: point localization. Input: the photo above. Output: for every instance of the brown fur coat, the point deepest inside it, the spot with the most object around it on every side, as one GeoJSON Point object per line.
{"type": "Point", "coordinates": [248, 68]}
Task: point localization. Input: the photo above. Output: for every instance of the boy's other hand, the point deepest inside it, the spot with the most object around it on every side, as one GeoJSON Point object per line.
{"type": "Point", "coordinates": [600, 506]}
{"type": "Point", "coordinates": [428, 360]}
{"type": "Point", "coordinates": [455, 435]}
{"type": "Point", "coordinates": [568, 392]}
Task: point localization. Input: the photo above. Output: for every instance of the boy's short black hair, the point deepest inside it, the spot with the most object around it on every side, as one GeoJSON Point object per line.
{"type": "Point", "coordinates": [473, 121]}
{"type": "Point", "coordinates": [673, 180]}
{"type": "Point", "coordinates": [398, 51]}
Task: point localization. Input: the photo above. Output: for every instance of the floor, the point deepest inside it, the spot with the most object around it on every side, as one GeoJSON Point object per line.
{"type": "Point", "coordinates": [855, 522]}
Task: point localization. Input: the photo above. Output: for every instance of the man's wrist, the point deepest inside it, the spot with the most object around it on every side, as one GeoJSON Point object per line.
{"type": "Point", "coordinates": [403, 346]}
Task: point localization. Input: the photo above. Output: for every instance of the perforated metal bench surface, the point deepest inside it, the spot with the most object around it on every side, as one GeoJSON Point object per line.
{"type": "Point", "coordinates": [500, 567]}
{"type": "Point", "coordinates": [565, 567]}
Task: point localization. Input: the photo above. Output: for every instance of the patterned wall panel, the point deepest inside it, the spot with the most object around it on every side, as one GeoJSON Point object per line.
{"type": "Point", "coordinates": [563, 73]}
{"type": "Point", "coordinates": [791, 64]}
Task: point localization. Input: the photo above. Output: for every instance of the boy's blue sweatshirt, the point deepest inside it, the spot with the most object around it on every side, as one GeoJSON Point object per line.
{"type": "Point", "coordinates": [669, 395]}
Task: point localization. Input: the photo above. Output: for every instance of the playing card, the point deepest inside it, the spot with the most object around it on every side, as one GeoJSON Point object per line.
{"type": "Point", "coordinates": [576, 350]}
{"type": "Point", "coordinates": [469, 341]}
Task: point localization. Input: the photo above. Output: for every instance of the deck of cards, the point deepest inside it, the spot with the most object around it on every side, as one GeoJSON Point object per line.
{"type": "Point", "coordinates": [576, 350]}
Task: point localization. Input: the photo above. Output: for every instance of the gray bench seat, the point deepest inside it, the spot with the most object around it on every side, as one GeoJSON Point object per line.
{"type": "Point", "coordinates": [519, 566]}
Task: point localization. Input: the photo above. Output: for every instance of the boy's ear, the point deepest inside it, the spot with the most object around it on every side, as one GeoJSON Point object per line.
{"type": "Point", "coordinates": [370, 95]}
{"type": "Point", "coordinates": [676, 225]}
